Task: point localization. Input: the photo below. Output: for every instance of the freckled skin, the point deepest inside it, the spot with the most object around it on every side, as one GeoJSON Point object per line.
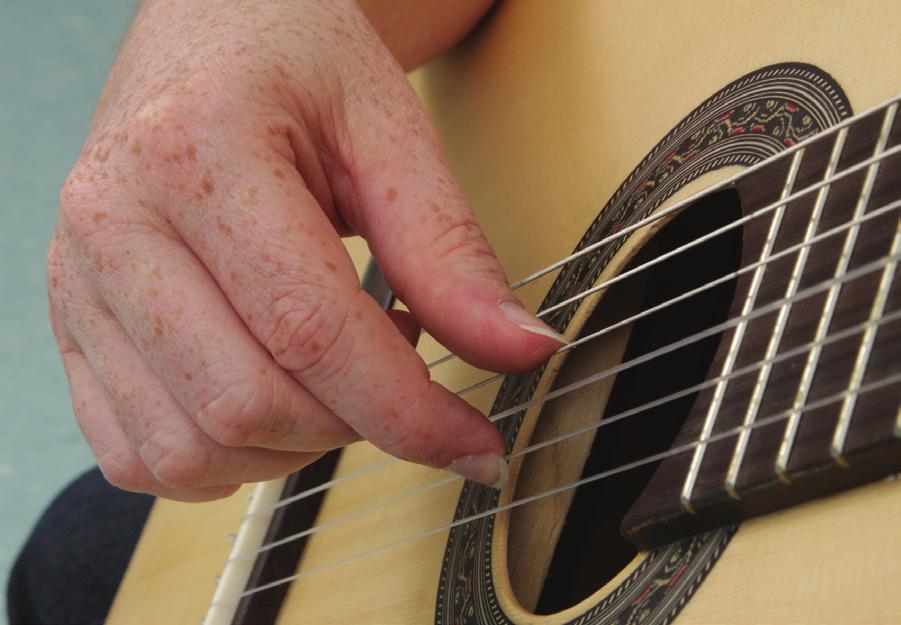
{"type": "Point", "coordinates": [196, 270]}
{"type": "Point", "coordinates": [158, 325]}
{"type": "Point", "coordinates": [224, 228]}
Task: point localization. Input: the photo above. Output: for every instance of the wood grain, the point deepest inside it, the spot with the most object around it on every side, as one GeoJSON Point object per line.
{"type": "Point", "coordinates": [543, 112]}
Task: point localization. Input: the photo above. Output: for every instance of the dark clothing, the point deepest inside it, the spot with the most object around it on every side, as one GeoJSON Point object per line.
{"type": "Point", "coordinates": [70, 567]}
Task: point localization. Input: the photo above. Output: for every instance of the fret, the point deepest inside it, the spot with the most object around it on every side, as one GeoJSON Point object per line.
{"type": "Point", "coordinates": [781, 321]}
{"type": "Point", "coordinates": [863, 354]}
{"type": "Point", "coordinates": [738, 337]}
{"type": "Point", "coordinates": [794, 419]}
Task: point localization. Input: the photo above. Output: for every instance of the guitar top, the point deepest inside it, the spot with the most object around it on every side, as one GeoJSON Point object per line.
{"type": "Point", "coordinates": [719, 223]}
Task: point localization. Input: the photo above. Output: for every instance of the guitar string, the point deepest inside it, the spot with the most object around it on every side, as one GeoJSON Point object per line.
{"type": "Point", "coordinates": [775, 305]}
{"type": "Point", "coordinates": [769, 420]}
{"type": "Point", "coordinates": [787, 251]}
{"type": "Point", "coordinates": [697, 290]}
{"type": "Point", "coordinates": [832, 232]}
{"type": "Point", "coordinates": [701, 194]}
{"type": "Point", "coordinates": [711, 331]}
{"type": "Point", "coordinates": [599, 287]}
{"type": "Point", "coordinates": [379, 464]}
{"type": "Point", "coordinates": [596, 425]}
{"type": "Point", "coordinates": [709, 236]}
{"type": "Point", "coordinates": [803, 294]}
{"type": "Point", "coordinates": [715, 233]}
{"type": "Point", "coordinates": [813, 290]}
{"type": "Point", "coordinates": [785, 201]}
{"type": "Point", "coordinates": [720, 185]}
{"type": "Point", "coordinates": [816, 186]}
{"type": "Point", "coordinates": [889, 108]}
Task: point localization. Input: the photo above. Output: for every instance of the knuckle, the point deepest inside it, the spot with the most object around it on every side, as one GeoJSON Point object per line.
{"type": "Point", "coordinates": [71, 190]}
{"type": "Point", "coordinates": [163, 128]}
{"type": "Point", "coordinates": [78, 210]}
{"type": "Point", "coordinates": [175, 464]}
{"type": "Point", "coordinates": [463, 242]}
{"type": "Point", "coordinates": [238, 415]}
{"type": "Point", "coordinates": [78, 185]}
{"type": "Point", "coordinates": [87, 220]}
{"type": "Point", "coordinates": [168, 144]}
{"type": "Point", "coordinates": [460, 236]}
{"type": "Point", "coordinates": [302, 330]}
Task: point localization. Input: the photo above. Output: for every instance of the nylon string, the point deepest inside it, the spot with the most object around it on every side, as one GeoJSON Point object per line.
{"type": "Point", "coordinates": [850, 276]}
{"type": "Point", "coordinates": [769, 420]}
{"type": "Point", "coordinates": [600, 375]}
{"type": "Point", "coordinates": [641, 359]}
{"type": "Point", "coordinates": [697, 290]}
{"type": "Point", "coordinates": [596, 425]}
{"type": "Point", "coordinates": [635, 270]}
{"type": "Point", "coordinates": [710, 235]}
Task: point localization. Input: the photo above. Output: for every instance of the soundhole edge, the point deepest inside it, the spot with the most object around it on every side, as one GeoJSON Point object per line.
{"type": "Point", "coordinates": [562, 549]}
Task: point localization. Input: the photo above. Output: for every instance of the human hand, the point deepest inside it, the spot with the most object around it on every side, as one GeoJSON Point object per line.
{"type": "Point", "coordinates": [209, 318]}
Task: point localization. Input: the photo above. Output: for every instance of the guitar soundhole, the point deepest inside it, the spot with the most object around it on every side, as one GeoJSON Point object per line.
{"type": "Point", "coordinates": [555, 564]}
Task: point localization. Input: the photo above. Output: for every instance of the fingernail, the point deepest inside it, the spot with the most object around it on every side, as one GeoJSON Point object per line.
{"type": "Point", "coordinates": [489, 469]}
{"type": "Point", "coordinates": [529, 322]}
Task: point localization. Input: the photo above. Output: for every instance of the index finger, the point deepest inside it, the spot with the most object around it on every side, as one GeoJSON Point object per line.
{"type": "Point", "coordinates": [290, 279]}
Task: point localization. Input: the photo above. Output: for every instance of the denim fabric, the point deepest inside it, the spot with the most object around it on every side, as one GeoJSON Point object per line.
{"type": "Point", "coordinates": [70, 567]}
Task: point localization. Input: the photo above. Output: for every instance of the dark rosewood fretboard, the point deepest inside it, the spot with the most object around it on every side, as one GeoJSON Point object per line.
{"type": "Point", "coordinates": [806, 396]}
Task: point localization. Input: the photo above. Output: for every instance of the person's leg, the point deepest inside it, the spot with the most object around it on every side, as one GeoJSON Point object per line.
{"type": "Point", "coordinates": [71, 565]}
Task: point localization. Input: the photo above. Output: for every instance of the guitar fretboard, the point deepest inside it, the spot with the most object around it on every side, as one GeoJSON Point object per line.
{"type": "Point", "coordinates": [805, 392]}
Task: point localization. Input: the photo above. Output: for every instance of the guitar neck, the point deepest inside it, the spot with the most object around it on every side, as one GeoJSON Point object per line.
{"type": "Point", "coordinates": [801, 400]}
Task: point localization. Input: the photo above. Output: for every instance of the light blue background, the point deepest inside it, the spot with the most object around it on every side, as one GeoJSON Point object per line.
{"type": "Point", "coordinates": [54, 57]}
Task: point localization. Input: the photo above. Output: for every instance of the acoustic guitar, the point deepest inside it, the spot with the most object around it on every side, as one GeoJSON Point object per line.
{"type": "Point", "coordinates": [704, 198]}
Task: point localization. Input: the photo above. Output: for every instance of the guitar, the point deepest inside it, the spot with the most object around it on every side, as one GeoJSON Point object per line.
{"type": "Point", "coordinates": [704, 197]}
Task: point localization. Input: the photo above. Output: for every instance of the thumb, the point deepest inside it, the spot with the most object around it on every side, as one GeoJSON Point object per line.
{"type": "Point", "coordinates": [428, 242]}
